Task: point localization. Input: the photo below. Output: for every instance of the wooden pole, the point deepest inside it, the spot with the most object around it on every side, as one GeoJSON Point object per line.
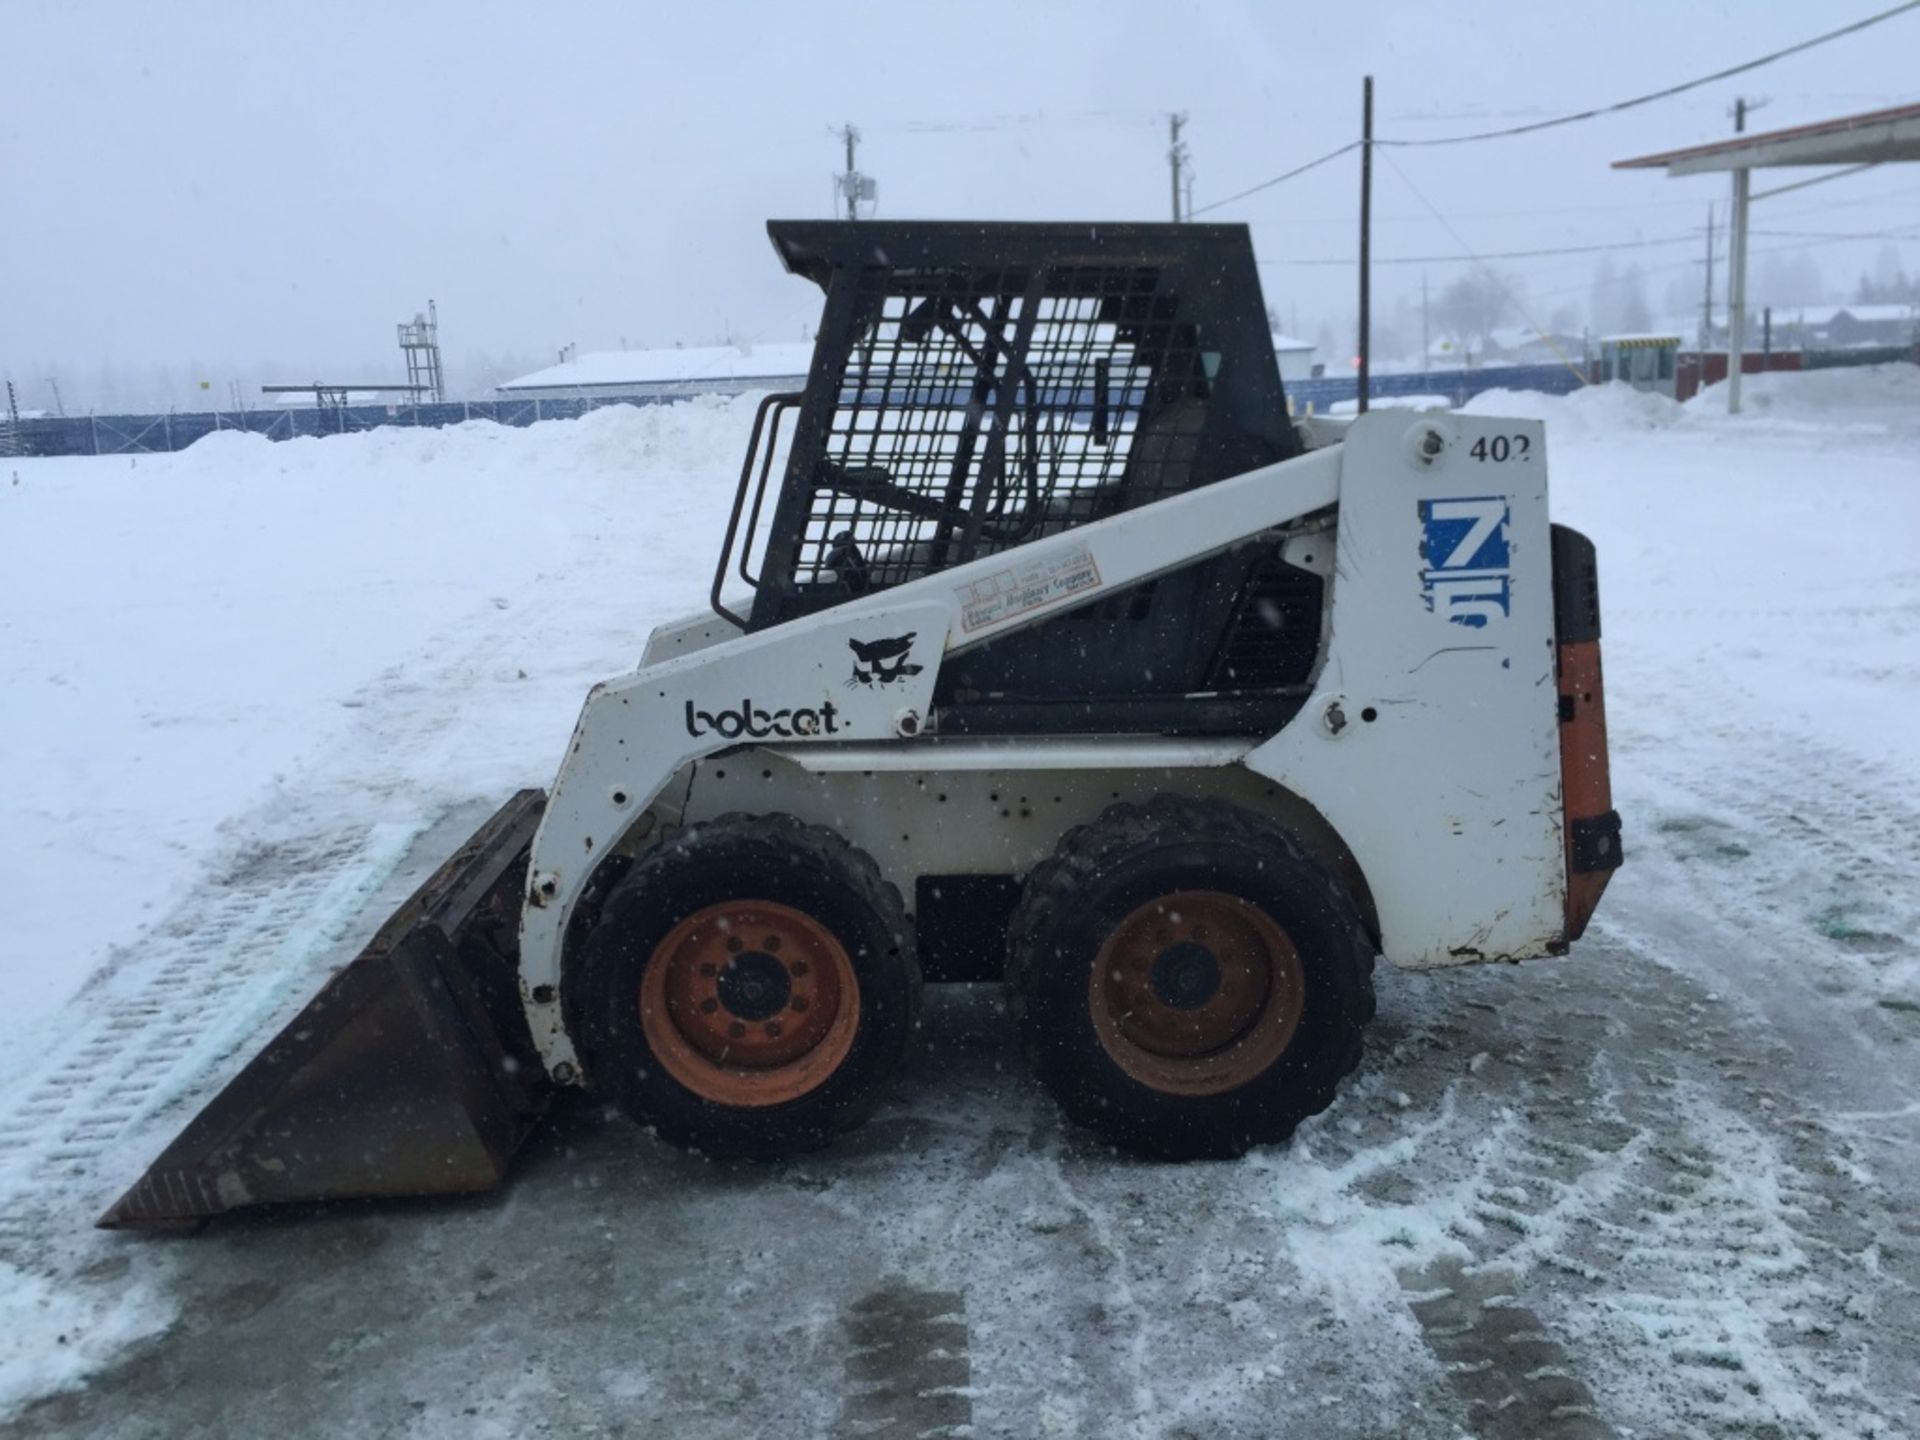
{"type": "Point", "coordinates": [1366, 235]}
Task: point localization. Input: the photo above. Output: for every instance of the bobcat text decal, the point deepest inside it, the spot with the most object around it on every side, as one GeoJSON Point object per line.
{"type": "Point", "coordinates": [1468, 575]}
{"type": "Point", "coordinates": [757, 724]}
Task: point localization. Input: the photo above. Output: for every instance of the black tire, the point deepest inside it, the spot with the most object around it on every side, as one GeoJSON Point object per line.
{"type": "Point", "coordinates": [1115, 870]}
{"type": "Point", "coordinates": [744, 860]}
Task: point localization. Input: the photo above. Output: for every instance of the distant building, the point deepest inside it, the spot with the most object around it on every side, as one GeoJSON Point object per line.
{"type": "Point", "coordinates": [1295, 357]}
{"type": "Point", "coordinates": [1510, 345]}
{"type": "Point", "coordinates": [667, 374]}
{"type": "Point", "coordinates": [1838, 327]}
{"type": "Point", "coordinates": [1645, 361]}
{"type": "Point", "coordinates": [682, 370]}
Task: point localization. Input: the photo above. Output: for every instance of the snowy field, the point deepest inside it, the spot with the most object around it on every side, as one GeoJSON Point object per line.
{"type": "Point", "coordinates": [1661, 1188]}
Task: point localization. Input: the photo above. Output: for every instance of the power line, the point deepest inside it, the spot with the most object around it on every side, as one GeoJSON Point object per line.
{"type": "Point", "coordinates": [1351, 145]}
{"type": "Point", "coordinates": [1904, 233]}
{"type": "Point", "coordinates": [1487, 270]}
{"type": "Point", "coordinates": [1667, 266]}
{"type": "Point", "coordinates": [1670, 90]}
{"type": "Point", "coordinates": [1502, 254]}
{"type": "Point", "coordinates": [1613, 109]}
{"type": "Point", "coordinates": [1292, 220]}
{"type": "Point", "coordinates": [1471, 258]}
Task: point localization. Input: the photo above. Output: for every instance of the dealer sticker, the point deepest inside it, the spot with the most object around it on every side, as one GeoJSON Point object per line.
{"type": "Point", "coordinates": [1027, 585]}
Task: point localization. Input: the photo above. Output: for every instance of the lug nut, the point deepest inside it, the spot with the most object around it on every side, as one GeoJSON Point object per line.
{"type": "Point", "coordinates": [735, 944]}
{"type": "Point", "coordinates": [736, 1029]}
{"type": "Point", "coordinates": [799, 1002]}
{"type": "Point", "coordinates": [771, 943]}
{"type": "Point", "coordinates": [709, 970]}
{"type": "Point", "coordinates": [797, 969]}
{"type": "Point", "coordinates": [773, 1029]}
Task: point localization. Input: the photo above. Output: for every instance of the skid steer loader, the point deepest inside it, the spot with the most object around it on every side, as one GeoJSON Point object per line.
{"type": "Point", "coordinates": [1059, 655]}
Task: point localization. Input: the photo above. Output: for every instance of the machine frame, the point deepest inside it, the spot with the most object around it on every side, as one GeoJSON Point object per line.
{"type": "Point", "coordinates": [1429, 745]}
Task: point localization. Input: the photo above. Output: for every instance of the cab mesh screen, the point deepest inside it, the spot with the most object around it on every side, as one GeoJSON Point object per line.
{"type": "Point", "coordinates": [980, 411]}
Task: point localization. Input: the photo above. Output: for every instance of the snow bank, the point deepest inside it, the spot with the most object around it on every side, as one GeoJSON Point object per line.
{"type": "Point", "coordinates": [1854, 395]}
{"type": "Point", "coordinates": [181, 634]}
{"type": "Point", "coordinates": [1864, 401]}
{"type": "Point", "coordinates": [1596, 411]}
{"type": "Point", "coordinates": [1392, 402]}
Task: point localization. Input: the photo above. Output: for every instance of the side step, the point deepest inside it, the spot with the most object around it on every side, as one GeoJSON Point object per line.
{"type": "Point", "coordinates": [410, 1073]}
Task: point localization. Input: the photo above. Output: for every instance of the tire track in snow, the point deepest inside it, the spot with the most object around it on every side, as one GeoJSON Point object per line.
{"type": "Point", "coordinates": [908, 1376]}
{"type": "Point", "coordinates": [1692, 1265]}
{"type": "Point", "coordinates": [178, 1010]}
{"type": "Point", "coordinates": [185, 1000]}
{"type": "Point", "coordinates": [1790, 815]}
{"type": "Point", "coordinates": [1515, 1377]}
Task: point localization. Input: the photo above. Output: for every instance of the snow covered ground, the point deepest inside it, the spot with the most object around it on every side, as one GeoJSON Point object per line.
{"type": "Point", "coordinates": [253, 690]}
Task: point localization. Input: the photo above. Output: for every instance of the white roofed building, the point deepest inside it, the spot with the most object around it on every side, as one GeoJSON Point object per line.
{"type": "Point", "coordinates": [1295, 357]}
{"type": "Point", "coordinates": [731, 370]}
{"type": "Point", "coordinates": [667, 373]}
{"type": "Point", "coordinates": [1843, 325]}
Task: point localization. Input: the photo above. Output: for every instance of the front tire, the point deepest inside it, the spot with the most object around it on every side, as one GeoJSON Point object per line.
{"type": "Point", "coordinates": [1189, 981]}
{"type": "Point", "coordinates": [750, 987]}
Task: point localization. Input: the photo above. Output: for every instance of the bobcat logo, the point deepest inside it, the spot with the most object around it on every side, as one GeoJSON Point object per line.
{"type": "Point", "coordinates": [881, 662]}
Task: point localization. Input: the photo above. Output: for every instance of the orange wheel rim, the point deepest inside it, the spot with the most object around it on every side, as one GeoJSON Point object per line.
{"type": "Point", "coordinates": [1196, 993]}
{"type": "Point", "coordinates": [749, 1003]}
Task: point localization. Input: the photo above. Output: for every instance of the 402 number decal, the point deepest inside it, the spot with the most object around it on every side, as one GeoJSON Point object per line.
{"type": "Point", "coordinates": [1501, 448]}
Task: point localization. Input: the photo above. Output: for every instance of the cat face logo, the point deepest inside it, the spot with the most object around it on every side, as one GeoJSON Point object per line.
{"type": "Point", "coordinates": [882, 662]}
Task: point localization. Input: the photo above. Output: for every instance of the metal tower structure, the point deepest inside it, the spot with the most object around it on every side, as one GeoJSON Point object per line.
{"type": "Point", "coordinates": [420, 343]}
{"type": "Point", "coordinates": [10, 424]}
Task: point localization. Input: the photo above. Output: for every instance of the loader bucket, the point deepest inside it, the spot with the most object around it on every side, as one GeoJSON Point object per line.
{"type": "Point", "coordinates": [410, 1073]}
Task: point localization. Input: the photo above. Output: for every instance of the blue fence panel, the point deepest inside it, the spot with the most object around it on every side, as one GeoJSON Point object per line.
{"type": "Point", "coordinates": [157, 434]}
{"type": "Point", "coordinates": [1455, 386]}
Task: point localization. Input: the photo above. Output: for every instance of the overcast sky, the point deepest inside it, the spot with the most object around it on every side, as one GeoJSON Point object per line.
{"type": "Point", "coordinates": [227, 184]}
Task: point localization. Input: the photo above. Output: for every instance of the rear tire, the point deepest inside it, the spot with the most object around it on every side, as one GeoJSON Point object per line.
{"type": "Point", "coordinates": [1188, 980]}
{"type": "Point", "coordinates": [750, 987]}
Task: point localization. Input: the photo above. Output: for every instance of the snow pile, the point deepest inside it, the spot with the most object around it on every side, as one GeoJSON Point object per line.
{"type": "Point", "coordinates": [1594, 413]}
{"type": "Point", "coordinates": [1854, 395]}
{"type": "Point", "coordinates": [180, 634]}
{"type": "Point", "coordinates": [1392, 402]}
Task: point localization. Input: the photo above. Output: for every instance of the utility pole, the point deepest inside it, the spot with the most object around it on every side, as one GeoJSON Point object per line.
{"type": "Point", "coordinates": [1176, 156]}
{"type": "Point", "coordinates": [1741, 105]}
{"type": "Point", "coordinates": [1706, 323]}
{"type": "Point", "coordinates": [1737, 264]}
{"type": "Point", "coordinates": [1366, 236]}
{"type": "Point", "coordinates": [852, 137]}
{"type": "Point", "coordinates": [851, 184]}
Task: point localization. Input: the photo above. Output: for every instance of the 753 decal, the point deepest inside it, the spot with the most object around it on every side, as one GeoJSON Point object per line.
{"type": "Point", "coordinates": [1468, 571]}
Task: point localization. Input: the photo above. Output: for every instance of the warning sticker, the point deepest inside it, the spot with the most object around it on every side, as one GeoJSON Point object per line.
{"type": "Point", "coordinates": [1030, 585]}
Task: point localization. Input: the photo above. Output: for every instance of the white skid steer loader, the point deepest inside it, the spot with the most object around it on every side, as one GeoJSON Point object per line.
{"type": "Point", "coordinates": [1070, 660]}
